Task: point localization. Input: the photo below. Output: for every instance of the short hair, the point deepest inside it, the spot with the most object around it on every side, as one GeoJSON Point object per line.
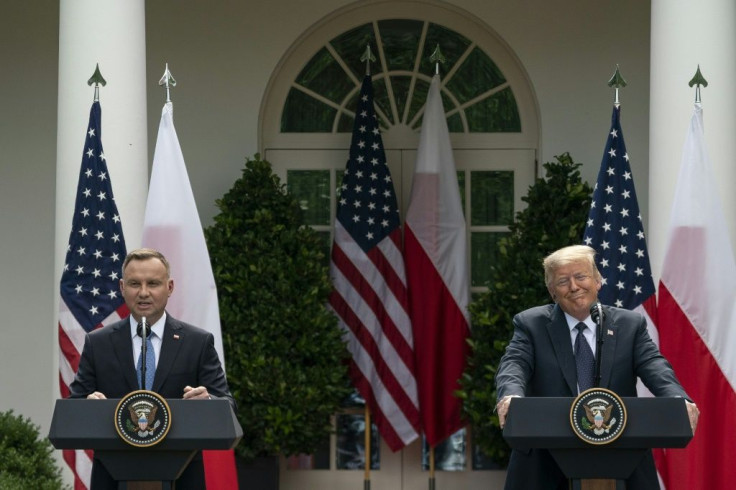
{"type": "Point", "coordinates": [568, 255]}
{"type": "Point", "coordinates": [145, 254]}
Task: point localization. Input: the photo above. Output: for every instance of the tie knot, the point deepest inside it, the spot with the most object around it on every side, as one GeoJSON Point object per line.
{"type": "Point", "coordinates": [581, 326]}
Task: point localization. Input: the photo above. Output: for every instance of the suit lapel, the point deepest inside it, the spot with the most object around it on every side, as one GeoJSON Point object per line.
{"type": "Point", "coordinates": [609, 347]}
{"type": "Point", "coordinates": [560, 335]}
{"type": "Point", "coordinates": [123, 348]}
{"type": "Point", "coordinates": [170, 345]}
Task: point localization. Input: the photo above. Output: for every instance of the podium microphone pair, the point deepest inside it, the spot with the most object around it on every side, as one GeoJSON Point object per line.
{"type": "Point", "coordinates": [596, 313]}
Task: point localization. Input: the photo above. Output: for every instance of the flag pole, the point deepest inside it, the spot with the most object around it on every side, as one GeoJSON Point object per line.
{"type": "Point", "coordinates": [436, 57]}
{"type": "Point", "coordinates": [97, 79]}
{"type": "Point", "coordinates": [367, 435]}
{"type": "Point", "coordinates": [617, 82]}
{"type": "Point", "coordinates": [168, 82]}
{"type": "Point", "coordinates": [698, 80]}
{"type": "Point", "coordinates": [368, 57]}
{"type": "Point", "coordinates": [431, 468]}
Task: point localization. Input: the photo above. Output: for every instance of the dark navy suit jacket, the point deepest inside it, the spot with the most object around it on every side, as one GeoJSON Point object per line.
{"type": "Point", "coordinates": [188, 357]}
{"type": "Point", "coordinates": [539, 361]}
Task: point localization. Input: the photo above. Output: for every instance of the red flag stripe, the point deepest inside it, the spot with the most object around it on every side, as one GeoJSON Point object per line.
{"type": "Point", "coordinates": [367, 327]}
{"type": "Point", "coordinates": [441, 349]}
{"type": "Point", "coordinates": [393, 440]}
{"type": "Point", "coordinates": [393, 377]}
{"type": "Point", "coordinates": [385, 316]}
{"type": "Point", "coordinates": [705, 382]}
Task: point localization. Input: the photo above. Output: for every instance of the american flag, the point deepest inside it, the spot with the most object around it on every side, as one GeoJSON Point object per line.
{"type": "Point", "coordinates": [370, 295]}
{"type": "Point", "coordinates": [614, 229]}
{"type": "Point", "coordinates": [90, 291]}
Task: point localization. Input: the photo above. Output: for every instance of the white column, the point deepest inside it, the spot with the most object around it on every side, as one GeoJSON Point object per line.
{"type": "Point", "coordinates": [685, 34]}
{"type": "Point", "coordinates": [111, 33]}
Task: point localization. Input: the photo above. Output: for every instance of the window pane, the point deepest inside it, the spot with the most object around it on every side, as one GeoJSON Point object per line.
{"type": "Point", "coordinates": [400, 86]}
{"type": "Point", "coordinates": [305, 114]}
{"type": "Point", "coordinates": [400, 38]}
{"type": "Point", "coordinates": [455, 124]}
{"type": "Point", "coordinates": [492, 198]}
{"type": "Point", "coordinates": [311, 188]}
{"type": "Point", "coordinates": [495, 114]}
{"type": "Point", "coordinates": [351, 443]}
{"type": "Point", "coordinates": [418, 98]}
{"type": "Point", "coordinates": [483, 253]}
{"type": "Point", "coordinates": [381, 99]}
{"type": "Point", "coordinates": [477, 74]}
{"type": "Point", "coordinates": [351, 46]}
{"type": "Point", "coordinates": [326, 77]}
{"type": "Point", "coordinates": [449, 455]}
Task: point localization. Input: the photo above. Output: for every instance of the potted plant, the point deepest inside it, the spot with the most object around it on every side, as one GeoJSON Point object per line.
{"type": "Point", "coordinates": [26, 459]}
{"type": "Point", "coordinates": [285, 357]}
{"type": "Point", "coordinates": [555, 216]}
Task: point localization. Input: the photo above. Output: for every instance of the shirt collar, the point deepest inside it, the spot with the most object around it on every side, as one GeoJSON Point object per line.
{"type": "Point", "coordinates": [572, 322]}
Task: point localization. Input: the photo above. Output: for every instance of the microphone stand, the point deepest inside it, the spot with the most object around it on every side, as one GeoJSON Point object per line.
{"type": "Point", "coordinates": [598, 318]}
{"type": "Point", "coordinates": [144, 352]}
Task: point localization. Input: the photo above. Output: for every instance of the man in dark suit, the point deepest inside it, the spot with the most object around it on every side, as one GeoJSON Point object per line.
{"type": "Point", "coordinates": [186, 362]}
{"type": "Point", "coordinates": [540, 361]}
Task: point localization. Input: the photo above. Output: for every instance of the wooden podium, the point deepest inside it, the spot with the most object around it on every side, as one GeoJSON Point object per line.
{"type": "Point", "coordinates": [195, 425]}
{"type": "Point", "coordinates": [544, 423]}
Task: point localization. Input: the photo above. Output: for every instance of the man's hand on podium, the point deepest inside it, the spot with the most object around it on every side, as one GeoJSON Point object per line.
{"type": "Point", "coordinates": [96, 396]}
{"type": "Point", "coordinates": [693, 414]}
{"type": "Point", "coordinates": [502, 408]}
{"type": "Point", "coordinates": [198, 393]}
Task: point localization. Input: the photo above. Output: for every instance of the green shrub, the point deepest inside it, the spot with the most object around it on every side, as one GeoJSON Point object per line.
{"type": "Point", "coordinates": [283, 348]}
{"type": "Point", "coordinates": [26, 459]}
{"type": "Point", "coordinates": [555, 216]}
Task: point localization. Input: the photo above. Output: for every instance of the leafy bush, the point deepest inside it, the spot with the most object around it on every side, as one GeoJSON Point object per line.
{"type": "Point", "coordinates": [26, 459]}
{"type": "Point", "coordinates": [557, 209]}
{"type": "Point", "coordinates": [283, 348]}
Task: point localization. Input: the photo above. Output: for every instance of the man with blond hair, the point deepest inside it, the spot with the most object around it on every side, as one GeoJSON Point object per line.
{"type": "Point", "coordinates": [542, 356]}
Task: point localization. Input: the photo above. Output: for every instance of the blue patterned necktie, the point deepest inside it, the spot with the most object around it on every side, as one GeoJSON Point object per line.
{"type": "Point", "coordinates": [584, 359]}
{"type": "Point", "coordinates": [150, 364]}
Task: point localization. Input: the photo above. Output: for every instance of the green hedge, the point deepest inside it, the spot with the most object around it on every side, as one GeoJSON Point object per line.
{"type": "Point", "coordinates": [284, 352]}
{"type": "Point", "coordinates": [26, 459]}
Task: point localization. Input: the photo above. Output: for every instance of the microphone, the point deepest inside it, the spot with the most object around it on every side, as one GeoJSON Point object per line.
{"type": "Point", "coordinates": [142, 333]}
{"type": "Point", "coordinates": [597, 314]}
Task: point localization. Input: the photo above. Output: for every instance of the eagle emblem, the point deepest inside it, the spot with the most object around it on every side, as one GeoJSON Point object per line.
{"type": "Point", "coordinates": [598, 416]}
{"type": "Point", "coordinates": [142, 418]}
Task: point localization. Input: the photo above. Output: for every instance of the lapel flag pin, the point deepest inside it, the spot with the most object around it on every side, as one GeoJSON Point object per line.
{"type": "Point", "coordinates": [610, 332]}
{"type": "Point", "coordinates": [176, 337]}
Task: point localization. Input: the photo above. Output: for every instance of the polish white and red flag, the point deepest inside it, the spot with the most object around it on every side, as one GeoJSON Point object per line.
{"type": "Point", "coordinates": [435, 252]}
{"type": "Point", "coordinates": [172, 226]}
{"type": "Point", "coordinates": [697, 319]}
